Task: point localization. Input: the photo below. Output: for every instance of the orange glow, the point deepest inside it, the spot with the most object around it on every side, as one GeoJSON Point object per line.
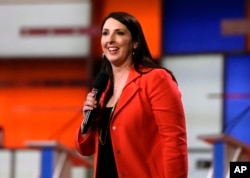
{"type": "Point", "coordinates": [41, 110]}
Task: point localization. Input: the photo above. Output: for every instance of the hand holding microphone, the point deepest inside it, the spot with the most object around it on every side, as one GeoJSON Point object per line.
{"type": "Point", "coordinates": [92, 100]}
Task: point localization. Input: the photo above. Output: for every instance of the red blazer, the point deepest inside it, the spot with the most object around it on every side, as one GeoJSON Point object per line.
{"type": "Point", "coordinates": [148, 129]}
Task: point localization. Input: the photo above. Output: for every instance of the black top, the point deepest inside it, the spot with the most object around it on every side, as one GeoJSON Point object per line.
{"type": "Point", "coordinates": [106, 167]}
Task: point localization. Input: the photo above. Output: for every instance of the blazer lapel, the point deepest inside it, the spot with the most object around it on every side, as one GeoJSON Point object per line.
{"type": "Point", "coordinates": [129, 91]}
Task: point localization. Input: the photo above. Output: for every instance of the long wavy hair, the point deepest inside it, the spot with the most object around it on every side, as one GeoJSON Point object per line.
{"type": "Point", "coordinates": [141, 57]}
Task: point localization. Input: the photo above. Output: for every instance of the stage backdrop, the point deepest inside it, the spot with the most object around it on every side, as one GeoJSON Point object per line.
{"type": "Point", "coordinates": [195, 26]}
{"type": "Point", "coordinates": [199, 77]}
{"type": "Point", "coordinates": [16, 18]}
{"type": "Point", "coordinates": [237, 97]}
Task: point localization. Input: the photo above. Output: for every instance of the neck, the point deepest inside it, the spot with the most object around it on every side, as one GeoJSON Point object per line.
{"type": "Point", "coordinates": [120, 78]}
{"type": "Point", "coordinates": [120, 67]}
{"type": "Point", "coordinates": [120, 71]}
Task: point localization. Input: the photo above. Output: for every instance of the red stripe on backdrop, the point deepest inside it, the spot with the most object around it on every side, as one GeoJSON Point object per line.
{"type": "Point", "coordinates": [44, 83]}
{"type": "Point", "coordinates": [230, 95]}
{"type": "Point", "coordinates": [44, 31]}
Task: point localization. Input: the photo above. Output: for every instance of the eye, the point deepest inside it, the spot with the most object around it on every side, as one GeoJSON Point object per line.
{"type": "Point", "coordinates": [104, 33]}
{"type": "Point", "coordinates": [120, 32]}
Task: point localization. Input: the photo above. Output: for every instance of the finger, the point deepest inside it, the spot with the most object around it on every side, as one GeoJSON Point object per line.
{"type": "Point", "coordinates": [89, 105]}
{"type": "Point", "coordinates": [87, 108]}
{"type": "Point", "coordinates": [90, 100]}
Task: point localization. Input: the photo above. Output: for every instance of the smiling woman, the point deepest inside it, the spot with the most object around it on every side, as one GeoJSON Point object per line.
{"type": "Point", "coordinates": [117, 43]}
{"type": "Point", "coordinates": [149, 93]}
{"type": "Point", "coordinates": [149, 13]}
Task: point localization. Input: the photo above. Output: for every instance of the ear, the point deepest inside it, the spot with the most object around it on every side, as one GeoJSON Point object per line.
{"type": "Point", "coordinates": [135, 45]}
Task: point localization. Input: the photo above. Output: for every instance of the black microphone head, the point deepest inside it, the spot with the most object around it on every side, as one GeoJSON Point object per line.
{"type": "Point", "coordinates": [101, 81]}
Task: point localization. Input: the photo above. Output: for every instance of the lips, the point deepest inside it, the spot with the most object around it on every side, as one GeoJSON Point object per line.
{"type": "Point", "coordinates": [112, 49]}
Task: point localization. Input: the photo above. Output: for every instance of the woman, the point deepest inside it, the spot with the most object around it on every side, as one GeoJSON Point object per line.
{"type": "Point", "coordinates": [141, 131]}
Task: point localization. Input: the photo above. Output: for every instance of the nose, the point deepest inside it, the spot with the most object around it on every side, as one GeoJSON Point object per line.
{"type": "Point", "coordinates": [111, 38]}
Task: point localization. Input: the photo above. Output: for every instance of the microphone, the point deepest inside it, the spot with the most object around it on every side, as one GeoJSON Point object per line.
{"type": "Point", "coordinates": [100, 85]}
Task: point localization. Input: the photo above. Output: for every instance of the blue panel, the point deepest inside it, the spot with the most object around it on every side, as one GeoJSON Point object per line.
{"type": "Point", "coordinates": [219, 157]}
{"type": "Point", "coordinates": [194, 26]}
{"type": "Point", "coordinates": [47, 163]}
{"type": "Point", "coordinates": [237, 98]}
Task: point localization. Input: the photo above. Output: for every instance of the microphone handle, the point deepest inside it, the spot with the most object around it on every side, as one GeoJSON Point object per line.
{"type": "Point", "coordinates": [90, 113]}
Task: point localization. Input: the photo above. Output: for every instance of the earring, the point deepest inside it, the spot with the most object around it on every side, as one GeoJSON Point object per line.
{"type": "Point", "coordinates": [133, 51]}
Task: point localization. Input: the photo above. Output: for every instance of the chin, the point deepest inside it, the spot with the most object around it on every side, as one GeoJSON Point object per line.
{"type": "Point", "coordinates": [112, 58]}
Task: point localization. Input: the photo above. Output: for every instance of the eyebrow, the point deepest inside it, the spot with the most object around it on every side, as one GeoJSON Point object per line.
{"type": "Point", "coordinates": [118, 29]}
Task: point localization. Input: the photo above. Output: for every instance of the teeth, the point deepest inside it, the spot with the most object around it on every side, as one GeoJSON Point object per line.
{"type": "Point", "coordinates": [113, 49]}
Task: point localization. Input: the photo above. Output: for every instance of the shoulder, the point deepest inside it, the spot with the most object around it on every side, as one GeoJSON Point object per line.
{"type": "Point", "coordinates": [158, 74]}
{"type": "Point", "coordinates": [159, 79]}
{"type": "Point", "coordinates": [159, 84]}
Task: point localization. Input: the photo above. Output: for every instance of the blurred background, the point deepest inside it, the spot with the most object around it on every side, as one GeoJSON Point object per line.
{"type": "Point", "coordinates": [50, 52]}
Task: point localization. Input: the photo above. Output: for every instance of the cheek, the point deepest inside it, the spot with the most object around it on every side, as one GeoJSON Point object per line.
{"type": "Point", "coordinates": [102, 41]}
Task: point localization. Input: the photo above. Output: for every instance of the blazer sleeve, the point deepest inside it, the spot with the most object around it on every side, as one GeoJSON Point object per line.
{"type": "Point", "coordinates": [85, 144]}
{"type": "Point", "coordinates": [168, 111]}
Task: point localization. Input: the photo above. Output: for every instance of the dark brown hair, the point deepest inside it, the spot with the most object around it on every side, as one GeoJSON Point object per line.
{"type": "Point", "coordinates": [141, 57]}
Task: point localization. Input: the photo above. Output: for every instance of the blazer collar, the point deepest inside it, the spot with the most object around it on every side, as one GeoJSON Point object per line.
{"type": "Point", "coordinates": [128, 91]}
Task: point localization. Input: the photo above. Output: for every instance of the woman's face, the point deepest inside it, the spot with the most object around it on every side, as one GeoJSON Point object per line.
{"type": "Point", "coordinates": [117, 43]}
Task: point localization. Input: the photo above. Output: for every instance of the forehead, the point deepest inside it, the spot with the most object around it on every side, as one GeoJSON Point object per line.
{"type": "Point", "coordinates": [111, 23]}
